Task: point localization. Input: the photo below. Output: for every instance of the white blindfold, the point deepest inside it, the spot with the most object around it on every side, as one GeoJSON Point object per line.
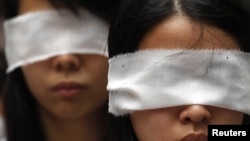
{"type": "Point", "coordinates": [37, 36]}
{"type": "Point", "coordinates": [155, 79]}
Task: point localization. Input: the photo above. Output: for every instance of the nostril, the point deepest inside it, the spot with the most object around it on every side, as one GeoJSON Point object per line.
{"type": "Point", "coordinates": [205, 119]}
{"type": "Point", "coordinates": [193, 120]}
{"type": "Point", "coordinates": [66, 63]}
{"type": "Point", "coordinates": [58, 67]}
{"type": "Point", "coordinates": [195, 114]}
{"type": "Point", "coordinates": [188, 119]}
{"type": "Point", "coordinates": [72, 66]}
{"type": "Point", "coordinates": [66, 66]}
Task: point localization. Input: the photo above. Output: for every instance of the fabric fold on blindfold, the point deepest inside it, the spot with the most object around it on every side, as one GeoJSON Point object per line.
{"type": "Point", "coordinates": [40, 35]}
{"type": "Point", "coordinates": [153, 79]}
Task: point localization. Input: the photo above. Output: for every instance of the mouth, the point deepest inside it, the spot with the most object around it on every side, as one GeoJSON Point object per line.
{"type": "Point", "coordinates": [194, 137]}
{"type": "Point", "coordinates": [68, 89]}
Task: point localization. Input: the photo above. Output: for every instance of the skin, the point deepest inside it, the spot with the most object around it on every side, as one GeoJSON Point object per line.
{"type": "Point", "coordinates": [90, 71]}
{"type": "Point", "coordinates": [174, 123]}
{"type": "Point", "coordinates": [77, 117]}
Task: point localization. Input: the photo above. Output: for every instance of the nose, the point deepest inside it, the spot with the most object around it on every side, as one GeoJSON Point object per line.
{"type": "Point", "coordinates": [195, 114]}
{"type": "Point", "coordinates": [66, 62]}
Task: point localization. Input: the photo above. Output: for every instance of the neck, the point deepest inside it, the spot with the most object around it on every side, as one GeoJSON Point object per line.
{"type": "Point", "coordinates": [91, 128]}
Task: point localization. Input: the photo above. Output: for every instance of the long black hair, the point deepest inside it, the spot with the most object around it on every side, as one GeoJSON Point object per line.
{"type": "Point", "coordinates": [135, 18]}
{"type": "Point", "coordinates": [3, 67]}
{"type": "Point", "coordinates": [21, 116]}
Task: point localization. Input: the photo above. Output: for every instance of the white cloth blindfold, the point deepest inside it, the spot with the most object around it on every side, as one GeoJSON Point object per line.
{"type": "Point", "coordinates": [37, 36]}
{"type": "Point", "coordinates": [155, 79]}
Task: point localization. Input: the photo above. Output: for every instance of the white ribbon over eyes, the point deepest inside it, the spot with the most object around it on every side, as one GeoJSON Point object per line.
{"type": "Point", "coordinates": [153, 79]}
{"type": "Point", "coordinates": [40, 35]}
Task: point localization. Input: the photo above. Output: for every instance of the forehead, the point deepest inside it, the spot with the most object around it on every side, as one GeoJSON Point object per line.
{"type": "Point", "coordinates": [181, 32]}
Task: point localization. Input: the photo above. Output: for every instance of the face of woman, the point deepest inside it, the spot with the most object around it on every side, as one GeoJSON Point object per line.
{"type": "Point", "coordinates": [189, 122]}
{"type": "Point", "coordinates": [69, 86]}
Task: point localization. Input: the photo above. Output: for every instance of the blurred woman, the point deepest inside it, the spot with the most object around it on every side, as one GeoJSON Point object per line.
{"type": "Point", "coordinates": [57, 71]}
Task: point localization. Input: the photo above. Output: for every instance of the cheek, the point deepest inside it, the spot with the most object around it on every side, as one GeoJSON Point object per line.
{"type": "Point", "coordinates": [224, 116]}
{"type": "Point", "coordinates": [100, 72]}
{"type": "Point", "coordinates": [152, 126]}
{"type": "Point", "coordinates": [97, 65]}
{"type": "Point", "coordinates": [97, 68]}
{"type": "Point", "coordinates": [34, 78]}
